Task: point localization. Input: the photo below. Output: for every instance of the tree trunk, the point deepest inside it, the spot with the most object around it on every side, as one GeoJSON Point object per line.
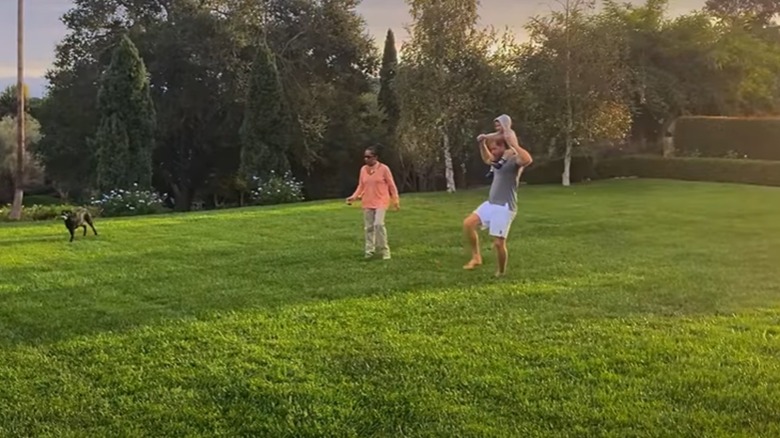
{"type": "Point", "coordinates": [567, 164]}
{"type": "Point", "coordinates": [449, 172]}
{"type": "Point", "coordinates": [16, 208]}
{"type": "Point", "coordinates": [666, 137]}
{"type": "Point", "coordinates": [551, 152]}
{"type": "Point", "coordinates": [569, 111]}
{"type": "Point", "coordinates": [62, 192]}
{"type": "Point", "coordinates": [182, 198]}
{"type": "Point", "coordinates": [462, 176]}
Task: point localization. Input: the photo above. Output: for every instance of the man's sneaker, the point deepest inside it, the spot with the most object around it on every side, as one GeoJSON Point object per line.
{"type": "Point", "coordinates": [369, 255]}
{"type": "Point", "coordinates": [386, 256]}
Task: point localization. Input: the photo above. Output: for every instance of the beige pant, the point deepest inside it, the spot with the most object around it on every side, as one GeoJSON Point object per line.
{"type": "Point", "coordinates": [376, 233]}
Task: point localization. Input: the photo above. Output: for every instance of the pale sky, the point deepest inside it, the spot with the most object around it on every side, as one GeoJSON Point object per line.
{"type": "Point", "coordinates": [43, 28]}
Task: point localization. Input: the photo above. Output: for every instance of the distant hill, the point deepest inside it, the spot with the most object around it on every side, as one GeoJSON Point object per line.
{"type": "Point", "coordinates": [37, 86]}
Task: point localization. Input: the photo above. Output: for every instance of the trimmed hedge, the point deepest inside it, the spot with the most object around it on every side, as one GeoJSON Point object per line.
{"type": "Point", "coordinates": [757, 172]}
{"type": "Point", "coordinates": [734, 137]}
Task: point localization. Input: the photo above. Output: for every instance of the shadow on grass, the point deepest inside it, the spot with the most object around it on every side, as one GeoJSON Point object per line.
{"type": "Point", "coordinates": [66, 297]}
{"type": "Point", "coordinates": [599, 265]}
{"type": "Point", "coordinates": [116, 293]}
{"type": "Point", "coordinates": [439, 362]}
{"type": "Point", "coordinates": [64, 236]}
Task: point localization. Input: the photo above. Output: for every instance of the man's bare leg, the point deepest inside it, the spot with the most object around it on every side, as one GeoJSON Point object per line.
{"type": "Point", "coordinates": [503, 255]}
{"type": "Point", "coordinates": [470, 225]}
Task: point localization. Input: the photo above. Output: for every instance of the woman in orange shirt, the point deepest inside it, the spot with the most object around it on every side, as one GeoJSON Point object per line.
{"type": "Point", "coordinates": [376, 188]}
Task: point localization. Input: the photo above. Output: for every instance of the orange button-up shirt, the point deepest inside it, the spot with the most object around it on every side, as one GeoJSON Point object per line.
{"type": "Point", "coordinates": [376, 188]}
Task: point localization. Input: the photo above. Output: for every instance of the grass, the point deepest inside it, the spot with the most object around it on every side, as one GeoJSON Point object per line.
{"type": "Point", "coordinates": [631, 309]}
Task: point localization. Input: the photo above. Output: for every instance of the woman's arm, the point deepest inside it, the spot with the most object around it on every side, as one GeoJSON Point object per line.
{"type": "Point", "coordinates": [360, 188]}
{"type": "Point", "coordinates": [393, 189]}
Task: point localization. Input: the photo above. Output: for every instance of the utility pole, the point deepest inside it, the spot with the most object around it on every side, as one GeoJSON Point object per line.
{"type": "Point", "coordinates": [16, 208]}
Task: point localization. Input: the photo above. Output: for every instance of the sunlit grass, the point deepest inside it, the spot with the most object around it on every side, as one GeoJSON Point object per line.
{"type": "Point", "coordinates": [631, 308]}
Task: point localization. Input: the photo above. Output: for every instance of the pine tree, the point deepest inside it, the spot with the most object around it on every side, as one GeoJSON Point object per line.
{"type": "Point", "coordinates": [266, 130]}
{"type": "Point", "coordinates": [388, 100]}
{"type": "Point", "coordinates": [125, 136]}
{"type": "Point", "coordinates": [113, 153]}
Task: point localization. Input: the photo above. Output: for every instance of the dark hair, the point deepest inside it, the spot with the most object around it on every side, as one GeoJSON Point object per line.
{"type": "Point", "coordinates": [374, 150]}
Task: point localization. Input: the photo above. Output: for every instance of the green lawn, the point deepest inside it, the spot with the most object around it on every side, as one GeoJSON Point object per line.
{"type": "Point", "coordinates": [631, 308]}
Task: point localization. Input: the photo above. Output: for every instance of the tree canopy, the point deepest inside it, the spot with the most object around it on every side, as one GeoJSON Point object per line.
{"type": "Point", "coordinates": [318, 89]}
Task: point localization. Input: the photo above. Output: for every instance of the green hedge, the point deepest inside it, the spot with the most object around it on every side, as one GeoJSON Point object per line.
{"type": "Point", "coordinates": [550, 172]}
{"type": "Point", "coordinates": [758, 172]}
{"type": "Point", "coordinates": [752, 138]}
{"type": "Point", "coordinates": [540, 172]}
{"type": "Point", "coordinates": [42, 212]}
{"type": "Point", "coordinates": [30, 200]}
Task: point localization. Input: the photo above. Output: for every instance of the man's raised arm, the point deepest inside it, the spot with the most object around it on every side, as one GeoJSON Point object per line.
{"type": "Point", "coordinates": [484, 152]}
{"type": "Point", "coordinates": [524, 158]}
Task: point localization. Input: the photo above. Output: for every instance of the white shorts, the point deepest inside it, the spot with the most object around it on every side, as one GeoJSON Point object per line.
{"type": "Point", "coordinates": [497, 218]}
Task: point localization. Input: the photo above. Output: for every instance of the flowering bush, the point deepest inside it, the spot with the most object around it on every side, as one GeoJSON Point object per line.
{"type": "Point", "coordinates": [132, 202]}
{"type": "Point", "coordinates": [735, 155]}
{"type": "Point", "coordinates": [42, 212]}
{"type": "Point", "coordinates": [276, 189]}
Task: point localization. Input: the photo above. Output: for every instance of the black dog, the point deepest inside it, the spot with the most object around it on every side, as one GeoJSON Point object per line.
{"type": "Point", "coordinates": [79, 218]}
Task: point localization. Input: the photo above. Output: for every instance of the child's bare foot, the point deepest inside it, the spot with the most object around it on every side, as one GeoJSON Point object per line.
{"type": "Point", "coordinates": [500, 274]}
{"type": "Point", "coordinates": [473, 263]}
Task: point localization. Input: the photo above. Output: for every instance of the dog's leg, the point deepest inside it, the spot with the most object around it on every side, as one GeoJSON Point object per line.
{"type": "Point", "coordinates": [85, 229]}
{"type": "Point", "coordinates": [89, 221]}
{"type": "Point", "coordinates": [71, 234]}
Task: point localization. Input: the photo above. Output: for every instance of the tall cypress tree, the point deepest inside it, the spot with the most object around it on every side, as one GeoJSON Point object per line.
{"type": "Point", "coordinates": [113, 153]}
{"type": "Point", "coordinates": [125, 136]}
{"type": "Point", "coordinates": [266, 130]}
{"type": "Point", "coordinates": [388, 99]}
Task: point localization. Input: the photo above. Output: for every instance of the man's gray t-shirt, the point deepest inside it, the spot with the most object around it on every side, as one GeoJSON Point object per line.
{"type": "Point", "coordinates": [503, 189]}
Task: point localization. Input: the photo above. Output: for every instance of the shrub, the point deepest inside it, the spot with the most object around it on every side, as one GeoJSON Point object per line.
{"type": "Point", "coordinates": [753, 138]}
{"type": "Point", "coordinates": [43, 212]}
{"type": "Point", "coordinates": [30, 200]}
{"type": "Point", "coordinates": [542, 171]}
{"type": "Point", "coordinates": [551, 171]}
{"type": "Point", "coordinates": [129, 203]}
{"type": "Point", "coordinates": [276, 190]}
{"type": "Point", "coordinates": [742, 171]}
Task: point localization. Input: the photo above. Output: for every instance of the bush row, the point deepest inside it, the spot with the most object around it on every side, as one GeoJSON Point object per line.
{"type": "Point", "coordinates": [550, 172]}
{"type": "Point", "coordinates": [732, 137]}
{"type": "Point", "coordinates": [43, 212]}
{"type": "Point", "coordinates": [276, 189]}
{"type": "Point", "coordinates": [761, 172]}
{"type": "Point", "coordinates": [129, 202]}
